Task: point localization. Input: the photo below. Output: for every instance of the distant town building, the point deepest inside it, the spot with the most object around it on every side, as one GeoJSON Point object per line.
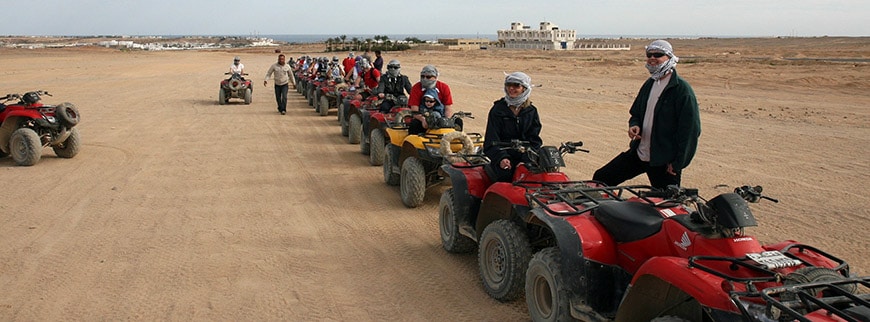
{"type": "Point", "coordinates": [547, 37]}
{"type": "Point", "coordinates": [464, 43]}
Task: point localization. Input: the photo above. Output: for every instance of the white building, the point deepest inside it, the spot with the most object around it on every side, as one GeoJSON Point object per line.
{"type": "Point", "coordinates": [547, 37]}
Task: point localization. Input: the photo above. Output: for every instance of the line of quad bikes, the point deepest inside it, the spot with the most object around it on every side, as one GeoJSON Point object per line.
{"type": "Point", "coordinates": [581, 250]}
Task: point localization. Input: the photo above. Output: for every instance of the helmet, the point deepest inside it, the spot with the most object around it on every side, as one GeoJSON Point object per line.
{"type": "Point", "coordinates": [334, 58]}
{"type": "Point", "coordinates": [394, 63]}
{"type": "Point", "coordinates": [30, 98]}
{"type": "Point", "coordinates": [237, 58]}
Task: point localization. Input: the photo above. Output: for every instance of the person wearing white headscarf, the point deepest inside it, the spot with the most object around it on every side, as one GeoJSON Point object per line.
{"type": "Point", "coordinates": [664, 125]}
{"type": "Point", "coordinates": [512, 117]}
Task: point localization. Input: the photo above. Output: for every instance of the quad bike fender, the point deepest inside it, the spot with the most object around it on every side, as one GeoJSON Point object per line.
{"type": "Point", "coordinates": [502, 201]}
{"type": "Point", "coordinates": [9, 126]}
{"type": "Point", "coordinates": [397, 136]}
{"type": "Point", "coordinates": [467, 193]}
{"type": "Point", "coordinates": [594, 282]}
{"type": "Point", "coordinates": [663, 283]}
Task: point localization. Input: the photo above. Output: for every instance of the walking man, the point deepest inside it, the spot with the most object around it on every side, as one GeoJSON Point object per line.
{"type": "Point", "coordinates": [283, 74]}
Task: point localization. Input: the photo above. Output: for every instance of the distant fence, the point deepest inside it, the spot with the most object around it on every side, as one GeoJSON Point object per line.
{"type": "Point", "coordinates": [601, 46]}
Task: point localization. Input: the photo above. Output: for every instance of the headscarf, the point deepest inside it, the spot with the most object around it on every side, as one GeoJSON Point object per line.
{"type": "Point", "coordinates": [661, 46]}
{"type": "Point", "coordinates": [394, 71]}
{"type": "Point", "coordinates": [428, 70]}
{"type": "Point", "coordinates": [522, 79]}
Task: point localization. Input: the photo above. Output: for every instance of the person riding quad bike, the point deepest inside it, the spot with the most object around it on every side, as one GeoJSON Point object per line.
{"type": "Point", "coordinates": [412, 160]}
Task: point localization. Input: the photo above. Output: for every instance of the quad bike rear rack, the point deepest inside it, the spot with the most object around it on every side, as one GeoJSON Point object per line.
{"type": "Point", "coordinates": [578, 197]}
{"type": "Point", "coordinates": [795, 302]}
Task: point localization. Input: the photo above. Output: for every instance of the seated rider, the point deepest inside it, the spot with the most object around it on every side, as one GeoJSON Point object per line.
{"type": "Point", "coordinates": [237, 67]}
{"type": "Point", "coordinates": [513, 117]}
{"type": "Point", "coordinates": [392, 83]}
{"type": "Point", "coordinates": [428, 81]}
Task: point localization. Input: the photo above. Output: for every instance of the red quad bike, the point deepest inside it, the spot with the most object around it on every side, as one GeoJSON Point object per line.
{"type": "Point", "coordinates": [328, 95]}
{"type": "Point", "coordinates": [352, 108]}
{"type": "Point", "coordinates": [314, 83]}
{"type": "Point", "coordinates": [235, 87]}
{"type": "Point", "coordinates": [495, 217]}
{"type": "Point", "coordinates": [374, 135]}
{"type": "Point", "coordinates": [632, 253]}
{"type": "Point", "coordinates": [26, 127]}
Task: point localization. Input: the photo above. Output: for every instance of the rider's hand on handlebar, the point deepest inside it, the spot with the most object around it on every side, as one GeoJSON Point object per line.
{"type": "Point", "coordinates": [505, 164]}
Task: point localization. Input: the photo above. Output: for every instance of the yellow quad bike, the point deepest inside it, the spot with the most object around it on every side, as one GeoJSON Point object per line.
{"type": "Point", "coordinates": [412, 161]}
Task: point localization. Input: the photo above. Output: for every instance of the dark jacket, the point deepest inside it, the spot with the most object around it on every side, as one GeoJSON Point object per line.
{"type": "Point", "coordinates": [396, 85]}
{"type": "Point", "coordinates": [503, 126]}
{"type": "Point", "coordinates": [676, 125]}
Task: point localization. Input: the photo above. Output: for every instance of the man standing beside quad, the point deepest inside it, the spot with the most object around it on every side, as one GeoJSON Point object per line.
{"type": "Point", "coordinates": [283, 74]}
{"type": "Point", "coordinates": [664, 125]}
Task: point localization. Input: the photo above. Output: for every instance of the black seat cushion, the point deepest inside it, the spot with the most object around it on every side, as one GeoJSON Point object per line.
{"type": "Point", "coordinates": [629, 221]}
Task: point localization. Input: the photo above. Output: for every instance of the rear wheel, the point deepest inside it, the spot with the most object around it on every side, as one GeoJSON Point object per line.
{"type": "Point", "coordinates": [413, 182]}
{"type": "Point", "coordinates": [222, 97]}
{"type": "Point", "coordinates": [248, 96]}
{"type": "Point", "coordinates": [376, 151]}
{"type": "Point", "coordinates": [354, 131]}
{"type": "Point", "coordinates": [391, 175]}
{"type": "Point", "coordinates": [69, 147]}
{"type": "Point", "coordinates": [25, 147]}
{"type": "Point", "coordinates": [503, 258]}
{"type": "Point", "coordinates": [310, 96]}
{"type": "Point", "coordinates": [451, 239]}
{"type": "Point", "coordinates": [324, 105]}
{"type": "Point", "coordinates": [546, 295]}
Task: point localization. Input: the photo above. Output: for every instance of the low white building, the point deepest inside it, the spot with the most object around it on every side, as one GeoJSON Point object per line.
{"type": "Point", "coordinates": [547, 37]}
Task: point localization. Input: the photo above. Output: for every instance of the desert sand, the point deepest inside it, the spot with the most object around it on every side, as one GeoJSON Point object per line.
{"type": "Point", "coordinates": [178, 208]}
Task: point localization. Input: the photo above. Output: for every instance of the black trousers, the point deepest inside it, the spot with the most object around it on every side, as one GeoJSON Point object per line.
{"type": "Point", "coordinates": [628, 165]}
{"type": "Point", "coordinates": [281, 96]}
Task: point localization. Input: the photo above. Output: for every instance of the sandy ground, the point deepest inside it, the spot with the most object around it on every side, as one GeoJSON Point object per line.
{"type": "Point", "coordinates": [178, 208]}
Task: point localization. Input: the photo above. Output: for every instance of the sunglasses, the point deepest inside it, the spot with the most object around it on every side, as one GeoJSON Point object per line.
{"type": "Point", "coordinates": [428, 76]}
{"type": "Point", "coordinates": [513, 85]}
{"type": "Point", "coordinates": [429, 101]}
{"type": "Point", "coordinates": [392, 67]}
{"type": "Point", "coordinates": [656, 55]}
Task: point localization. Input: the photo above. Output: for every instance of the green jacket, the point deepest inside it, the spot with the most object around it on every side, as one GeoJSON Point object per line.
{"type": "Point", "coordinates": [676, 125]}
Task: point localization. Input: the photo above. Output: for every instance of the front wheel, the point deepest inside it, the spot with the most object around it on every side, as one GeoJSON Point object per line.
{"type": "Point", "coordinates": [376, 151]}
{"type": "Point", "coordinates": [248, 96]}
{"type": "Point", "coordinates": [341, 120]}
{"type": "Point", "coordinates": [413, 182]}
{"type": "Point", "coordinates": [546, 294]}
{"type": "Point", "coordinates": [354, 129]}
{"type": "Point", "coordinates": [25, 147]}
{"type": "Point", "coordinates": [69, 147]}
{"type": "Point", "coordinates": [324, 105]}
{"type": "Point", "coordinates": [222, 97]}
{"type": "Point", "coordinates": [451, 239]}
{"type": "Point", "coordinates": [503, 257]}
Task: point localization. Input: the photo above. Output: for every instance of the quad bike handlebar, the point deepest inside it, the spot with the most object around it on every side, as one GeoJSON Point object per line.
{"type": "Point", "coordinates": [243, 74]}
{"type": "Point", "coordinates": [676, 193]}
{"type": "Point", "coordinates": [16, 96]}
{"type": "Point", "coordinates": [568, 147]}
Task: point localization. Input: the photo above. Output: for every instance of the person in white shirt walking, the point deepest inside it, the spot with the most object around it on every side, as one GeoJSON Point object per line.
{"type": "Point", "coordinates": [283, 76]}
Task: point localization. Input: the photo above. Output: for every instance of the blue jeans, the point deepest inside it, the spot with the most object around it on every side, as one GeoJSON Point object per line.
{"type": "Point", "coordinates": [281, 96]}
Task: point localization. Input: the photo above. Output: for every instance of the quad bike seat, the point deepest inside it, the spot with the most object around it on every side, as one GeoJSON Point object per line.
{"type": "Point", "coordinates": [629, 221]}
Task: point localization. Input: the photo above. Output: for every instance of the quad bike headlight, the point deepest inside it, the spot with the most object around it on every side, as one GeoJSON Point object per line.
{"type": "Point", "coordinates": [433, 151]}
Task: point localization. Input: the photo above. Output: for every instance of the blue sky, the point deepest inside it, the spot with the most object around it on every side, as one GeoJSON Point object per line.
{"type": "Point", "coordinates": [761, 18]}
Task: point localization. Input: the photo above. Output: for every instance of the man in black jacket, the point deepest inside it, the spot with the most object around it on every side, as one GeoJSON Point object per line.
{"type": "Point", "coordinates": [664, 125]}
{"type": "Point", "coordinates": [395, 84]}
{"type": "Point", "coordinates": [513, 117]}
